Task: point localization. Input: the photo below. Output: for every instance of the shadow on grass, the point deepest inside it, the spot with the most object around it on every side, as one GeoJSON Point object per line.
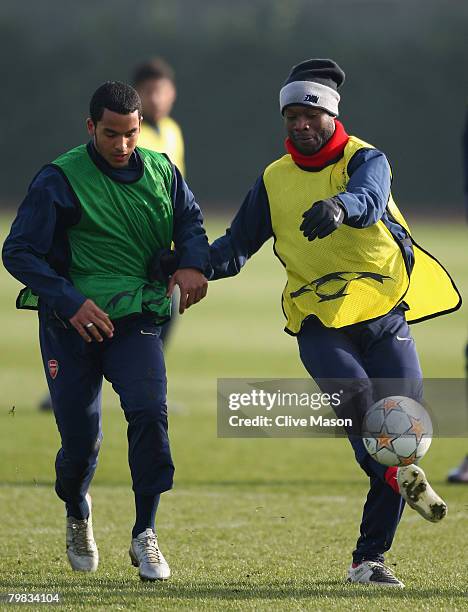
{"type": "Point", "coordinates": [87, 589]}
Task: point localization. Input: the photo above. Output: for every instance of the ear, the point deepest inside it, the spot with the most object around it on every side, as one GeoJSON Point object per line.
{"type": "Point", "coordinates": [90, 126]}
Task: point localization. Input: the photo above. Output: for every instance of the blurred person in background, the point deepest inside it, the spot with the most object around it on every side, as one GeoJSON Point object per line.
{"type": "Point", "coordinates": [459, 475]}
{"type": "Point", "coordinates": [85, 242]}
{"type": "Point", "coordinates": [355, 277]}
{"type": "Point", "coordinates": [155, 82]}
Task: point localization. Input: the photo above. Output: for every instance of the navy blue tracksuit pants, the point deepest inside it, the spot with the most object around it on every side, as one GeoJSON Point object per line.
{"type": "Point", "coordinates": [377, 349]}
{"type": "Point", "coordinates": [132, 361]}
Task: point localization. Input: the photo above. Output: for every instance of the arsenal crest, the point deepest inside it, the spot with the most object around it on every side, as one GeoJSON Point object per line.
{"type": "Point", "coordinates": [53, 367]}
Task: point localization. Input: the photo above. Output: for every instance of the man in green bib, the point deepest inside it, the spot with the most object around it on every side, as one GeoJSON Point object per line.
{"type": "Point", "coordinates": [90, 243]}
{"type": "Point", "coordinates": [355, 278]}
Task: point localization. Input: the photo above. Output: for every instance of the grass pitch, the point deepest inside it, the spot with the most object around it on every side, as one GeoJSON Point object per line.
{"type": "Point", "coordinates": [262, 524]}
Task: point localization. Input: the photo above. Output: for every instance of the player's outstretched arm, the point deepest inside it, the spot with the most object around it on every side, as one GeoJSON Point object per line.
{"type": "Point", "coordinates": [189, 234]}
{"type": "Point", "coordinates": [368, 190]}
{"type": "Point", "coordinates": [193, 287]}
{"type": "Point", "coordinates": [189, 265]}
{"type": "Point", "coordinates": [249, 230]}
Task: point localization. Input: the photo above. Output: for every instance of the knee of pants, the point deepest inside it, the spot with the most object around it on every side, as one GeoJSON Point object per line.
{"type": "Point", "coordinates": [147, 434]}
{"type": "Point", "coordinates": [146, 395]}
{"type": "Point", "coordinates": [81, 450]}
{"type": "Point", "coordinates": [147, 412]}
{"type": "Point", "coordinates": [148, 426]}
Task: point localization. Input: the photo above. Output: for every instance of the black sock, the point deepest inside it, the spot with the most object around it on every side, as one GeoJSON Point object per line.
{"type": "Point", "coordinates": [146, 506]}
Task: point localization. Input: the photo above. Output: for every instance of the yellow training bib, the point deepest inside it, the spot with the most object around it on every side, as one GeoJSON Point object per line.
{"type": "Point", "coordinates": [166, 139]}
{"type": "Point", "coordinates": [352, 275]}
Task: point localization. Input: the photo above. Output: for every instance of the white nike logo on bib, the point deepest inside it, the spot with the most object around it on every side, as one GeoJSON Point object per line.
{"type": "Point", "coordinates": [398, 338]}
{"type": "Point", "coordinates": [148, 333]}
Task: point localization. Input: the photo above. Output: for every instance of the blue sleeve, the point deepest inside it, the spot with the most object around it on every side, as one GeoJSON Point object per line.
{"type": "Point", "coordinates": [189, 235]}
{"type": "Point", "coordinates": [43, 212]}
{"type": "Point", "coordinates": [368, 189]}
{"type": "Point", "coordinates": [250, 228]}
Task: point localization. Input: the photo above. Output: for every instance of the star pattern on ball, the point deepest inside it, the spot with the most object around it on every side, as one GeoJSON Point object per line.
{"type": "Point", "coordinates": [385, 440]}
{"type": "Point", "coordinates": [408, 460]}
{"type": "Point", "coordinates": [390, 404]}
{"type": "Point", "coordinates": [417, 428]}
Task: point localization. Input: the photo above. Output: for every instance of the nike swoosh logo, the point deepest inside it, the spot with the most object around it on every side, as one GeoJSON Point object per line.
{"type": "Point", "coordinates": [337, 217]}
{"type": "Point", "coordinates": [398, 338]}
{"type": "Point", "coordinates": [148, 333]}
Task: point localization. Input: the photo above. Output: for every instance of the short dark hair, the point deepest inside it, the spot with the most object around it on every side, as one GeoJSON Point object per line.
{"type": "Point", "coordinates": [156, 68]}
{"type": "Point", "coordinates": [115, 96]}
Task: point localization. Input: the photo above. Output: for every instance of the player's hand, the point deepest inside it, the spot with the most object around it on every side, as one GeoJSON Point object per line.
{"type": "Point", "coordinates": [192, 284]}
{"type": "Point", "coordinates": [101, 324]}
{"type": "Point", "coordinates": [322, 219]}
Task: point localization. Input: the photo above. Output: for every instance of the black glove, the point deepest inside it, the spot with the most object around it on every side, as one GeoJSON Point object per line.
{"type": "Point", "coordinates": [163, 264]}
{"type": "Point", "coordinates": [323, 218]}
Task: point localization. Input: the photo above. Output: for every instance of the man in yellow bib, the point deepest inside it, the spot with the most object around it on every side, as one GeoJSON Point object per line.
{"type": "Point", "coordinates": [355, 278]}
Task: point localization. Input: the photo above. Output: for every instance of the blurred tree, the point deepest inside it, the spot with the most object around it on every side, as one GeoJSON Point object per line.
{"type": "Point", "coordinates": [406, 88]}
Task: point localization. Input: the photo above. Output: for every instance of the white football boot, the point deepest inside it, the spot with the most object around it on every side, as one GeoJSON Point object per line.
{"type": "Point", "coordinates": [373, 572]}
{"type": "Point", "coordinates": [82, 551]}
{"type": "Point", "coordinates": [145, 554]}
{"type": "Point", "coordinates": [419, 495]}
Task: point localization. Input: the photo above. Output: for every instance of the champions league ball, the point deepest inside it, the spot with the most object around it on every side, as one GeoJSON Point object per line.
{"type": "Point", "coordinates": [397, 431]}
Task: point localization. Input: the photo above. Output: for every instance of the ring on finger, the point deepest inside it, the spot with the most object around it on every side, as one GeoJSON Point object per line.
{"type": "Point", "coordinates": [89, 325]}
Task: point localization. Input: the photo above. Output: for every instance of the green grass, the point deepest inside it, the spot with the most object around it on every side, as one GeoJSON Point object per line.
{"type": "Point", "coordinates": [251, 524]}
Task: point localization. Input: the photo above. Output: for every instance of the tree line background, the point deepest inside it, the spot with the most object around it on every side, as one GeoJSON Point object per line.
{"type": "Point", "coordinates": [406, 90]}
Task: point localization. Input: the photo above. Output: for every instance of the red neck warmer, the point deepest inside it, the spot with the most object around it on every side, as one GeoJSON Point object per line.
{"type": "Point", "coordinates": [329, 152]}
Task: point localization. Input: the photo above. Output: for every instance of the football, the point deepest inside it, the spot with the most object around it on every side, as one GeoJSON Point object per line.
{"type": "Point", "coordinates": [397, 431]}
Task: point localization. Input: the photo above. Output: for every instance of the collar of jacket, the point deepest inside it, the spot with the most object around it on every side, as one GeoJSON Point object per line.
{"type": "Point", "coordinates": [129, 174]}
